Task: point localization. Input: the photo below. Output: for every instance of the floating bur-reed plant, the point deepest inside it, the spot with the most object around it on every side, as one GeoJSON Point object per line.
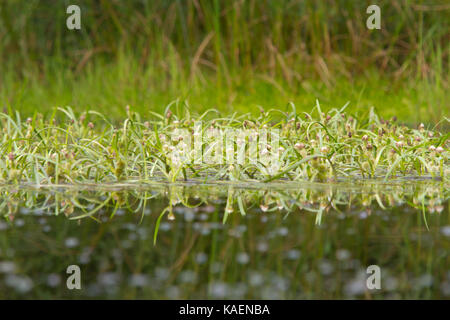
{"type": "Point", "coordinates": [310, 147]}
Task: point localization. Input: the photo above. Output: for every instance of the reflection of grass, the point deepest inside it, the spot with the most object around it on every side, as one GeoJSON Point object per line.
{"type": "Point", "coordinates": [315, 198]}
{"type": "Point", "coordinates": [288, 248]}
{"type": "Point", "coordinates": [317, 146]}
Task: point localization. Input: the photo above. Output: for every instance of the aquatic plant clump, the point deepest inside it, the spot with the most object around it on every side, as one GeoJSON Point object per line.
{"type": "Point", "coordinates": [318, 146]}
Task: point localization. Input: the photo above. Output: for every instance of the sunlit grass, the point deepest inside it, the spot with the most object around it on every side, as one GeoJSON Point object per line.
{"type": "Point", "coordinates": [69, 149]}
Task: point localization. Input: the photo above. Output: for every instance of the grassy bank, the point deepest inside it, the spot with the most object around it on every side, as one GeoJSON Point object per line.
{"type": "Point", "coordinates": [230, 55]}
{"type": "Point", "coordinates": [109, 87]}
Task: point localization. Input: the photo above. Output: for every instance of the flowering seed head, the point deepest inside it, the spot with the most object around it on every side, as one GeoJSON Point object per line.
{"type": "Point", "coordinates": [299, 146]}
{"type": "Point", "coordinates": [324, 149]}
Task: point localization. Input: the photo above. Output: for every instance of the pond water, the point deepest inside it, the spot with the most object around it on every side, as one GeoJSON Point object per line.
{"type": "Point", "coordinates": [227, 241]}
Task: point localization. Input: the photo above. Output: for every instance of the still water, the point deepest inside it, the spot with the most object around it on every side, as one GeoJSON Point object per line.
{"type": "Point", "coordinates": [227, 241]}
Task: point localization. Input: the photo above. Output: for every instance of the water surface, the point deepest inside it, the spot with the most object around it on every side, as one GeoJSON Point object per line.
{"type": "Point", "coordinates": [227, 241]}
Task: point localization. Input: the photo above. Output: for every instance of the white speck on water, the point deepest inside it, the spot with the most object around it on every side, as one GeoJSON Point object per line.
{"type": "Point", "coordinates": [93, 290]}
{"type": "Point", "coordinates": [189, 216]}
{"type": "Point", "coordinates": [165, 226]}
{"type": "Point", "coordinates": [239, 291]}
{"type": "Point", "coordinates": [126, 244]}
{"type": "Point", "coordinates": [19, 223]}
{"type": "Point", "coordinates": [109, 279]}
{"type": "Point", "coordinates": [262, 246]}
{"type": "Point", "coordinates": [424, 281]}
{"type": "Point", "coordinates": [161, 274]}
{"type": "Point", "coordinates": [173, 292]}
{"type": "Point", "coordinates": [237, 231]}
{"type": "Point", "coordinates": [293, 254]}
{"type": "Point", "coordinates": [242, 258]}
{"type": "Point", "coordinates": [201, 258]}
{"type": "Point", "coordinates": [279, 283]}
{"type": "Point", "coordinates": [445, 288]}
{"type": "Point", "coordinates": [46, 228]}
{"type": "Point", "coordinates": [218, 290]}
{"type": "Point", "coordinates": [138, 280]}
{"type": "Point", "coordinates": [363, 215]}
{"type": "Point", "coordinates": [326, 268]}
{"type": "Point", "coordinates": [205, 230]}
{"type": "Point", "coordinates": [269, 293]}
{"type": "Point", "coordinates": [132, 237]}
{"type": "Point", "coordinates": [256, 279]}
{"type": "Point", "coordinates": [7, 267]}
{"type": "Point", "coordinates": [25, 211]}
{"type": "Point", "coordinates": [209, 209]}
{"type": "Point", "coordinates": [188, 276]}
{"type": "Point", "coordinates": [390, 283]}
{"type": "Point", "coordinates": [283, 231]}
{"type": "Point", "coordinates": [446, 231]}
{"type": "Point", "coordinates": [357, 285]}
{"type": "Point", "coordinates": [38, 212]}
{"type": "Point", "coordinates": [71, 242]}
{"type": "Point", "coordinates": [343, 254]}
{"type": "Point", "coordinates": [53, 280]}
{"type": "Point", "coordinates": [120, 212]}
{"type": "Point", "coordinates": [215, 225]}
{"type": "Point", "coordinates": [21, 284]}
{"type": "Point", "coordinates": [241, 228]}
{"type": "Point", "coordinates": [143, 234]}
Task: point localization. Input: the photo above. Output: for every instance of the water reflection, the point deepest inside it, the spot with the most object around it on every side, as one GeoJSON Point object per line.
{"type": "Point", "coordinates": [227, 241]}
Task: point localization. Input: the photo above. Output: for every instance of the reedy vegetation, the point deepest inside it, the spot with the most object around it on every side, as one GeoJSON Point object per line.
{"type": "Point", "coordinates": [70, 149]}
{"type": "Point", "coordinates": [229, 54]}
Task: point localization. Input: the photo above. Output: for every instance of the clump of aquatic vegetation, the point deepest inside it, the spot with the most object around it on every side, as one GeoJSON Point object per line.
{"type": "Point", "coordinates": [65, 148]}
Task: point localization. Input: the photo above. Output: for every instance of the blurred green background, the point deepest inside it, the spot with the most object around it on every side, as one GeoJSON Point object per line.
{"type": "Point", "coordinates": [233, 55]}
